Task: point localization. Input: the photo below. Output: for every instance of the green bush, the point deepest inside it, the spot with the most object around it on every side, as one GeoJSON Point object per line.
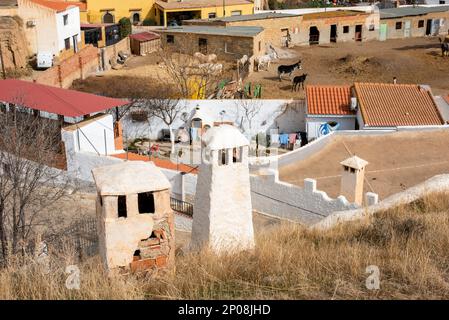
{"type": "Point", "coordinates": [125, 27]}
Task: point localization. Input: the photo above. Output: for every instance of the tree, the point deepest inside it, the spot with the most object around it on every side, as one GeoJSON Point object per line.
{"type": "Point", "coordinates": [250, 108]}
{"type": "Point", "coordinates": [125, 27]}
{"type": "Point", "coordinates": [193, 77]}
{"type": "Point", "coordinates": [30, 149]}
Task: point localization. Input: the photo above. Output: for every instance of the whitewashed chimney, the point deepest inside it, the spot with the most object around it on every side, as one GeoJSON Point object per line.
{"type": "Point", "coordinates": [352, 179]}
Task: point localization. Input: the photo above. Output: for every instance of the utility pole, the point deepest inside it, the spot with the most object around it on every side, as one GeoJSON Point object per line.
{"type": "Point", "coordinates": [2, 62]}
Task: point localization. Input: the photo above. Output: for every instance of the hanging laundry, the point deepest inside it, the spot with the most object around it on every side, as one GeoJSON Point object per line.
{"type": "Point", "coordinates": [292, 138]}
{"type": "Point", "coordinates": [283, 138]}
{"type": "Point", "coordinates": [274, 139]}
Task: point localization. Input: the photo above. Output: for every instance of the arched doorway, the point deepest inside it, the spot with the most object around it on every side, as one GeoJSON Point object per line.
{"type": "Point", "coordinates": [314, 35]}
{"type": "Point", "coordinates": [136, 18]}
{"type": "Point", "coordinates": [108, 18]}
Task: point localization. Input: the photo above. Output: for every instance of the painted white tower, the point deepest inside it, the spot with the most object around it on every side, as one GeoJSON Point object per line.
{"type": "Point", "coordinates": [352, 179]}
{"type": "Point", "coordinates": [222, 214]}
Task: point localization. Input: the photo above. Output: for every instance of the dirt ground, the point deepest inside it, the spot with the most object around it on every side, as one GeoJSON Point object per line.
{"type": "Point", "coordinates": [413, 60]}
{"type": "Point", "coordinates": [397, 161]}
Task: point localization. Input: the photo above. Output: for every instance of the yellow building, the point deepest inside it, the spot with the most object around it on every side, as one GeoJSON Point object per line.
{"type": "Point", "coordinates": [162, 12]}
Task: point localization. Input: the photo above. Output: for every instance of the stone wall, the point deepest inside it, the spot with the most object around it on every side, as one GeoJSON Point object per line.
{"type": "Point", "coordinates": [79, 66]}
{"type": "Point", "coordinates": [13, 44]}
{"type": "Point", "coordinates": [107, 54]}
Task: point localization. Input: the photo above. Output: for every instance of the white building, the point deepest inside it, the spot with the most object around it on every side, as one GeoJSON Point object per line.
{"type": "Point", "coordinates": [51, 26]}
{"type": "Point", "coordinates": [328, 108]}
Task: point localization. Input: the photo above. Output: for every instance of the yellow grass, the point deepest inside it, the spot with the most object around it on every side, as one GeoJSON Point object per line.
{"type": "Point", "coordinates": [409, 244]}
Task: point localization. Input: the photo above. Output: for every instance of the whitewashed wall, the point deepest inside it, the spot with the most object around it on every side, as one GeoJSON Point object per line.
{"type": "Point", "coordinates": [71, 29]}
{"type": "Point", "coordinates": [284, 200]}
{"type": "Point", "coordinates": [313, 124]}
{"type": "Point", "coordinates": [271, 115]}
{"type": "Point", "coordinates": [96, 136]}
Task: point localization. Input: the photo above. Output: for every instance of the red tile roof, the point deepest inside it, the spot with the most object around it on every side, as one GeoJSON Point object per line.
{"type": "Point", "coordinates": [65, 102]}
{"type": "Point", "coordinates": [144, 36]}
{"type": "Point", "coordinates": [162, 163]}
{"type": "Point", "coordinates": [60, 5]}
{"type": "Point", "coordinates": [329, 100]}
{"type": "Point", "coordinates": [391, 105]}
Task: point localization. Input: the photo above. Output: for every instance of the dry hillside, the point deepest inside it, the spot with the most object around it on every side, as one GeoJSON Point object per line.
{"type": "Point", "coordinates": [408, 244]}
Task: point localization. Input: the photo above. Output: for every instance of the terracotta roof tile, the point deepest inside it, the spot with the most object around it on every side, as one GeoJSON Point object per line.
{"type": "Point", "coordinates": [60, 5]}
{"type": "Point", "coordinates": [144, 36]}
{"type": "Point", "coordinates": [391, 105]}
{"type": "Point", "coordinates": [333, 100]}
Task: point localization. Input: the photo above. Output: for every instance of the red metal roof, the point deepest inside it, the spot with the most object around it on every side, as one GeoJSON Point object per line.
{"type": "Point", "coordinates": [60, 6]}
{"type": "Point", "coordinates": [329, 100]}
{"type": "Point", "coordinates": [391, 105]}
{"type": "Point", "coordinates": [144, 36]}
{"type": "Point", "coordinates": [65, 102]}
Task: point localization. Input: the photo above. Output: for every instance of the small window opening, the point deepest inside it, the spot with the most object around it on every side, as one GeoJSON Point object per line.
{"type": "Point", "coordinates": [137, 253]}
{"type": "Point", "coordinates": [101, 199]}
{"type": "Point", "coordinates": [236, 155]}
{"type": "Point", "coordinates": [222, 157]}
{"type": "Point", "coordinates": [121, 201]}
{"type": "Point", "coordinates": [352, 170]}
{"type": "Point", "coordinates": [345, 29]}
{"type": "Point", "coordinates": [346, 168]}
{"type": "Point", "coordinates": [146, 202]}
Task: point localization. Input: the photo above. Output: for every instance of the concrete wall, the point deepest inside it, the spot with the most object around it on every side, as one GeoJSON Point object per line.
{"type": "Point", "coordinates": [313, 124]}
{"type": "Point", "coordinates": [305, 205]}
{"type": "Point", "coordinates": [415, 30]}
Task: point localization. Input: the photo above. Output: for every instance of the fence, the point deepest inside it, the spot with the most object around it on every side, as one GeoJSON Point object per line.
{"type": "Point", "coordinates": [181, 206]}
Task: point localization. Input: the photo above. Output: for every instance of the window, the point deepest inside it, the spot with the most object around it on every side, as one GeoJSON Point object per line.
{"type": "Point", "coordinates": [136, 17]}
{"type": "Point", "coordinates": [421, 24]}
{"type": "Point", "coordinates": [260, 46]}
{"type": "Point", "coordinates": [352, 170]}
{"type": "Point", "coordinates": [66, 19]}
{"type": "Point", "coordinates": [222, 160]}
{"type": "Point", "coordinates": [170, 38]}
{"type": "Point", "coordinates": [345, 29]}
{"type": "Point", "coordinates": [145, 202]}
{"type": "Point", "coordinates": [236, 13]}
{"type": "Point", "coordinates": [442, 2]}
{"type": "Point", "coordinates": [67, 43]}
{"type": "Point", "coordinates": [212, 15]}
{"type": "Point", "coordinates": [237, 155]}
{"type": "Point", "coordinates": [108, 17]}
{"type": "Point", "coordinates": [121, 207]}
{"type": "Point", "coordinates": [371, 27]}
{"type": "Point", "coordinates": [398, 25]}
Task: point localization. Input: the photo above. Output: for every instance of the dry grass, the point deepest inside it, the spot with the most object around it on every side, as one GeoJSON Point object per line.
{"type": "Point", "coordinates": [409, 244]}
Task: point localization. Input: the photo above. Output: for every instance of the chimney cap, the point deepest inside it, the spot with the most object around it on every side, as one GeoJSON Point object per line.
{"type": "Point", "coordinates": [354, 162]}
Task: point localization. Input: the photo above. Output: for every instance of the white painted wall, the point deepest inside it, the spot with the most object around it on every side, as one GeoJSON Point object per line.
{"type": "Point", "coordinates": [49, 33]}
{"type": "Point", "coordinates": [71, 29]}
{"type": "Point", "coordinates": [313, 124]}
{"type": "Point", "coordinates": [270, 116]}
{"type": "Point", "coordinates": [96, 137]}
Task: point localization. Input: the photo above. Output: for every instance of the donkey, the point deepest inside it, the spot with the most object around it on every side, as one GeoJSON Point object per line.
{"type": "Point", "coordinates": [288, 69]}
{"type": "Point", "coordinates": [444, 48]}
{"type": "Point", "coordinates": [298, 81]}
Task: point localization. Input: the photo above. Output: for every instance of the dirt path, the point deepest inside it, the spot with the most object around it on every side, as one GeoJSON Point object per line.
{"type": "Point", "coordinates": [414, 60]}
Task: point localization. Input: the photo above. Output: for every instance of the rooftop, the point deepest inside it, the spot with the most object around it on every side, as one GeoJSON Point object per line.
{"type": "Point", "coordinates": [409, 11]}
{"type": "Point", "coordinates": [55, 100]}
{"type": "Point", "coordinates": [187, 4]}
{"type": "Point", "coordinates": [329, 100]}
{"type": "Point", "coordinates": [224, 137]}
{"type": "Point", "coordinates": [223, 31]}
{"type": "Point", "coordinates": [129, 177]}
{"type": "Point", "coordinates": [391, 105]}
{"type": "Point", "coordinates": [250, 17]}
{"type": "Point", "coordinates": [60, 6]}
{"type": "Point", "coordinates": [332, 14]}
{"type": "Point", "coordinates": [144, 36]}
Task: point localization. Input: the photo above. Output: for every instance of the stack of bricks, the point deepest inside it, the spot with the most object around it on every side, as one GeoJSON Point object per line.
{"type": "Point", "coordinates": [157, 251]}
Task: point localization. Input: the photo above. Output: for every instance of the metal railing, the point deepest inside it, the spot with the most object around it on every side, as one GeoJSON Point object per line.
{"type": "Point", "coordinates": [181, 206]}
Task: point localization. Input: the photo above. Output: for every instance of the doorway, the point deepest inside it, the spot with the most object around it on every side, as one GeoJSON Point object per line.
{"type": "Point", "coordinates": [407, 27]}
{"type": "Point", "coordinates": [314, 35]}
{"type": "Point", "coordinates": [383, 32]}
{"type": "Point", "coordinates": [333, 35]}
{"type": "Point", "coordinates": [202, 44]}
{"type": "Point", "coordinates": [358, 32]}
{"type": "Point", "coordinates": [428, 27]}
{"type": "Point", "coordinates": [75, 43]}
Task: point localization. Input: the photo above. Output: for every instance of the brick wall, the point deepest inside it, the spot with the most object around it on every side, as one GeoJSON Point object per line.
{"type": "Point", "coordinates": [79, 66]}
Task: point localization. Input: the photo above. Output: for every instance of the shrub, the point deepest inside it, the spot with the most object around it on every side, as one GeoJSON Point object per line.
{"type": "Point", "coordinates": [125, 27]}
{"type": "Point", "coordinates": [149, 22]}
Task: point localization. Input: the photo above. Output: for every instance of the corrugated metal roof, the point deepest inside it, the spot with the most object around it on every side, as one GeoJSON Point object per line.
{"type": "Point", "coordinates": [257, 16]}
{"type": "Point", "coordinates": [144, 36]}
{"type": "Point", "coordinates": [328, 100]}
{"type": "Point", "coordinates": [392, 105]}
{"type": "Point", "coordinates": [55, 100]}
{"type": "Point", "coordinates": [224, 31]}
{"type": "Point", "coordinates": [409, 11]}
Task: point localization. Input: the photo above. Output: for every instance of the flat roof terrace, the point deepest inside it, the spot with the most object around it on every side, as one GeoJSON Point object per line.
{"type": "Point", "coordinates": [397, 161]}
